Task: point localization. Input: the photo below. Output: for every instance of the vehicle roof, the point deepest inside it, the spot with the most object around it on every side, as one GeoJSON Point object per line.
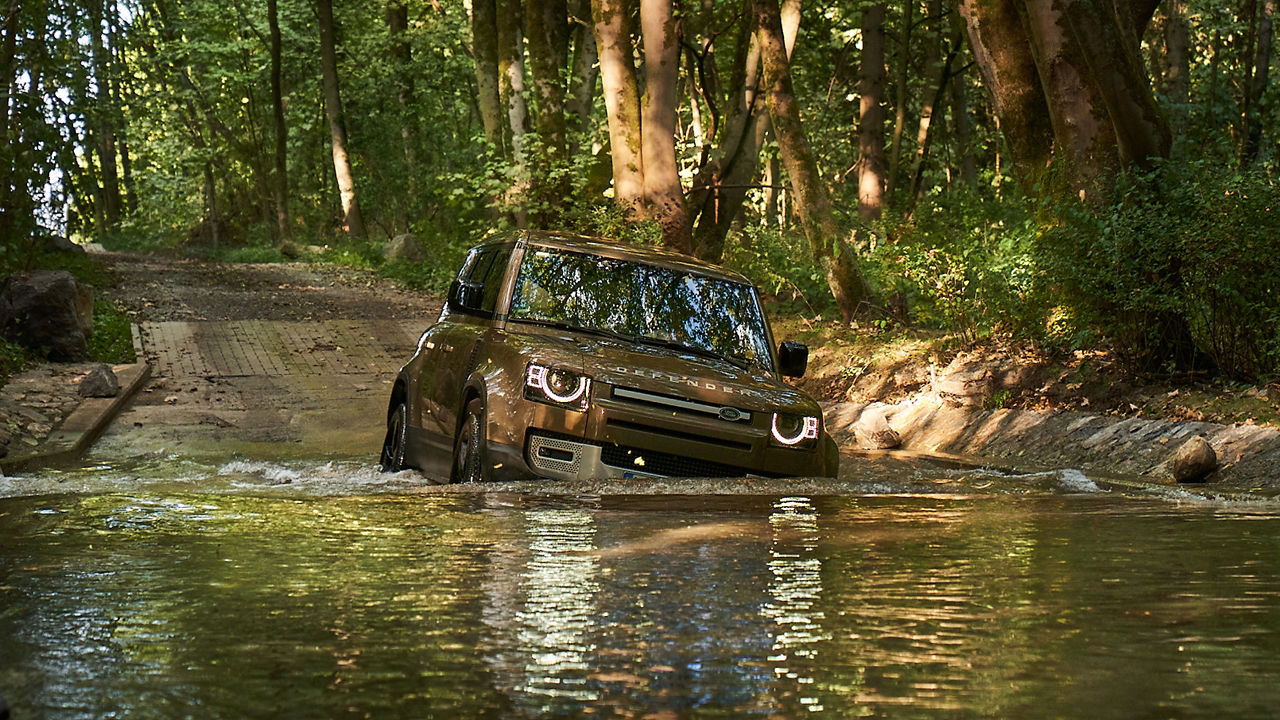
{"type": "Point", "coordinates": [607, 247]}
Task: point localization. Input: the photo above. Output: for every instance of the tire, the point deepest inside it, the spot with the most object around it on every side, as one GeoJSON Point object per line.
{"type": "Point", "coordinates": [393, 445]}
{"type": "Point", "coordinates": [470, 456]}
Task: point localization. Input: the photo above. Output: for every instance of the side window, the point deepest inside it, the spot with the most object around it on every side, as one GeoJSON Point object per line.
{"type": "Point", "coordinates": [493, 277]}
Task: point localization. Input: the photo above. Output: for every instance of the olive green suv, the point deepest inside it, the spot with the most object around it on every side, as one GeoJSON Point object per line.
{"type": "Point", "coordinates": [559, 356]}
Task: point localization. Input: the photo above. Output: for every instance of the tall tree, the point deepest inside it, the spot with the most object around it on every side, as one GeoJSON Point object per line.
{"type": "Point", "coordinates": [1085, 83]}
{"type": "Point", "coordinates": [812, 199]}
{"type": "Point", "coordinates": [664, 198]}
{"type": "Point", "coordinates": [353, 222]}
{"type": "Point", "coordinates": [280, 178]}
{"type": "Point", "coordinates": [401, 57]}
{"type": "Point", "coordinates": [484, 44]}
{"type": "Point", "coordinates": [622, 101]}
{"type": "Point", "coordinates": [871, 160]}
{"type": "Point", "coordinates": [1259, 80]}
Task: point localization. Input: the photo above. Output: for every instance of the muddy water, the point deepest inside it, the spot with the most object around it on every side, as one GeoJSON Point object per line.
{"type": "Point", "coordinates": [328, 590]}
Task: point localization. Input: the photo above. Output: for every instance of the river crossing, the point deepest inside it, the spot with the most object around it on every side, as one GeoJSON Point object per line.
{"type": "Point", "coordinates": [162, 587]}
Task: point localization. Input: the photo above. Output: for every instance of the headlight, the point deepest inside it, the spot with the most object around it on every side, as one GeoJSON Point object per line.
{"type": "Point", "coordinates": [556, 386]}
{"type": "Point", "coordinates": [795, 430]}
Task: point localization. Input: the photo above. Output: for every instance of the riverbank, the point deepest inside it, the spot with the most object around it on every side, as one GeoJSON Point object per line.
{"type": "Point", "coordinates": [1007, 404]}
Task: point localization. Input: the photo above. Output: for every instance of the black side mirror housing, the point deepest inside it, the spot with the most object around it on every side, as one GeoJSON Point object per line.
{"type": "Point", "coordinates": [793, 358]}
{"type": "Point", "coordinates": [464, 296]}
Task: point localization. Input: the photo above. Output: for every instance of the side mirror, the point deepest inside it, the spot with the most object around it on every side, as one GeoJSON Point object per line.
{"type": "Point", "coordinates": [793, 358]}
{"type": "Point", "coordinates": [464, 295]}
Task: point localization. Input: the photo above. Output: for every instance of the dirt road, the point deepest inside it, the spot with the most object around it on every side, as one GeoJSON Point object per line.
{"type": "Point", "coordinates": [277, 361]}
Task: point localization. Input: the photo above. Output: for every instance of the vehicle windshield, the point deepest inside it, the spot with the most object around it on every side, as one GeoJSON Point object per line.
{"type": "Point", "coordinates": [646, 302]}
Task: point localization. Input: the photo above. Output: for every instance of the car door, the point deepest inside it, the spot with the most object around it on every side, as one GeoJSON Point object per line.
{"type": "Point", "coordinates": [458, 344]}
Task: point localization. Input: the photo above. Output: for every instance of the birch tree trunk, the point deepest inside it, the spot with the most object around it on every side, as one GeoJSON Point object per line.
{"type": "Point", "coordinates": [352, 222]}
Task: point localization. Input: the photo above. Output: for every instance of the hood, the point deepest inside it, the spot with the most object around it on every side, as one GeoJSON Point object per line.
{"type": "Point", "coordinates": [670, 371]}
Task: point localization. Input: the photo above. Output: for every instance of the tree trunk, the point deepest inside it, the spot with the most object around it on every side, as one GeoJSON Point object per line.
{"type": "Point", "coordinates": [664, 198]}
{"type": "Point", "coordinates": [1259, 80]}
{"type": "Point", "coordinates": [812, 201]}
{"type": "Point", "coordinates": [511, 98]}
{"type": "Point", "coordinates": [484, 46]}
{"type": "Point", "coordinates": [900, 90]}
{"type": "Point", "coordinates": [401, 59]}
{"type": "Point", "coordinates": [104, 116]}
{"type": "Point", "coordinates": [935, 88]}
{"type": "Point", "coordinates": [8, 51]}
{"type": "Point", "coordinates": [353, 222]}
{"type": "Point", "coordinates": [586, 69]}
{"type": "Point", "coordinates": [1178, 67]}
{"type": "Point", "coordinates": [622, 101]}
{"type": "Point", "coordinates": [280, 184]}
{"type": "Point", "coordinates": [960, 120]}
{"type": "Point", "coordinates": [1008, 69]}
{"type": "Point", "coordinates": [548, 39]}
{"type": "Point", "coordinates": [721, 186]}
{"type": "Point", "coordinates": [871, 162]}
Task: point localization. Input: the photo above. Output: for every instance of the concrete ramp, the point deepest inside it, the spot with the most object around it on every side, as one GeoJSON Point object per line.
{"type": "Point", "coordinates": [263, 390]}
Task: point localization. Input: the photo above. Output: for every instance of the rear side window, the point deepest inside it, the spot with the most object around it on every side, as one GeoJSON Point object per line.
{"type": "Point", "coordinates": [487, 267]}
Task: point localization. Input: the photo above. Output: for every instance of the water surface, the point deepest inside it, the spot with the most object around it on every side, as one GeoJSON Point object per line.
{"type": "Point", "coordinates": [326, 590]}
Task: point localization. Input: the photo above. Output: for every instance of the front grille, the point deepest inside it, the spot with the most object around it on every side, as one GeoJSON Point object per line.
{"type": "Point", "coordinates": [678, 435]}
{"type": "Point", "coordinates": [678, 404]}
{"type": "Point", "coordinates": [661, 463]}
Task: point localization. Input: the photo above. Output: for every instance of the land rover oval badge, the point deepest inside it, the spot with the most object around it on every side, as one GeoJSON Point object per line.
{"type": "Point", "coordinates": [730, 414]}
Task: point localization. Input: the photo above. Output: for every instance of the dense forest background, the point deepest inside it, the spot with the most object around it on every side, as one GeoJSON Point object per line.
{"type": "Point", "coordinates": [1074, 173]}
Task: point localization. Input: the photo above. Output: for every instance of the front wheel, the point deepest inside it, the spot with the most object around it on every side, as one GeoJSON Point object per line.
{"type": "Point", "coordinates": [393, 444]}
{"type": "Point", "coordinates": [469, 461]}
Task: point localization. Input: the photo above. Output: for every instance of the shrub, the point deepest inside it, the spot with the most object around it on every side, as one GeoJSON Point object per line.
{"type": "Point", "coordinates": [1180, 270]}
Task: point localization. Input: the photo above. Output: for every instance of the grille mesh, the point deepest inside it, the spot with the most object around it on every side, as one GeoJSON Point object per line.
{"type": "Point", "coordinates": [662, 463]}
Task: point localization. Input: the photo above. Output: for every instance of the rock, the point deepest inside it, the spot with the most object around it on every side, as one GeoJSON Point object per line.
{"type": "Point", "coordinates": [873, 432]}
{"type": "Point", "coordinates": [1193, 461]}
{"type": "Point", "coordinates": [404, 247]}
{"type": "Point", "coordinates": [57, 243]}
{"type": "Point", "coordinates": [47, 310]}
{"type": "Point", "coordinates": [101, 382]}
{"type": "Point", "coordinates": [965, 382]}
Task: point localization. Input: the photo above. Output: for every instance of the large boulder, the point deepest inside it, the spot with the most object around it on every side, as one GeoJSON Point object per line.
{"type": "Point", "coordinates": [404, 247]}
{"type": "Point", "coordinates": [1193, 461]}
{"type": "Point", "coordinates": [48, 312]}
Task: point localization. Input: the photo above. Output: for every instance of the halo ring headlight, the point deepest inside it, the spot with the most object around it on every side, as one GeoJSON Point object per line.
{"type": "Point", "coordinates": [560, 387]}
{"type": "Point", "coordinates": [807, 429]}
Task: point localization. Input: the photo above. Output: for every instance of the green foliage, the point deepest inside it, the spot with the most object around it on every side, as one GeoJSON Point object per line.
{"type": "Point", "coordinates": [967, 264]}
{"type": "Point", "coordinates": [13, 359]}
{"type": "Point", "coordinates": [112, 339]}
{"type": "Point", "coordinates": [1184, 255]}
{"type": "Point", "coordinates": [779, 263]}
{"type": "Point", "coordinates": [249, 254]}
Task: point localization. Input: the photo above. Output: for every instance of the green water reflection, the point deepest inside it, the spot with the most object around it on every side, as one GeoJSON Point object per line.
{"type": "Point", "coordinates": [504, 605]}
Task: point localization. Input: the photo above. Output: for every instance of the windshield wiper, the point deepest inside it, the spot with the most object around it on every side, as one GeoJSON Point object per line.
{"type": "Point", "coordinates": [735, 361]}
{"type": "Point", "coordinates": [561, 325]}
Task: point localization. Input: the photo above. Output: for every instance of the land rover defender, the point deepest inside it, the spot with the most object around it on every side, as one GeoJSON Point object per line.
{"type": "Point", "coordinates": [559, 356]}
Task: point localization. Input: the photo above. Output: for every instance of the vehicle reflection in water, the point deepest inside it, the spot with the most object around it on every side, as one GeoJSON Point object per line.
{"type": "Point", "coordinates": [794, 592]}
{"type": "Point", "coordinates": [540, 608]}
{"type": "Point", "coordinates": [502, 604]}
